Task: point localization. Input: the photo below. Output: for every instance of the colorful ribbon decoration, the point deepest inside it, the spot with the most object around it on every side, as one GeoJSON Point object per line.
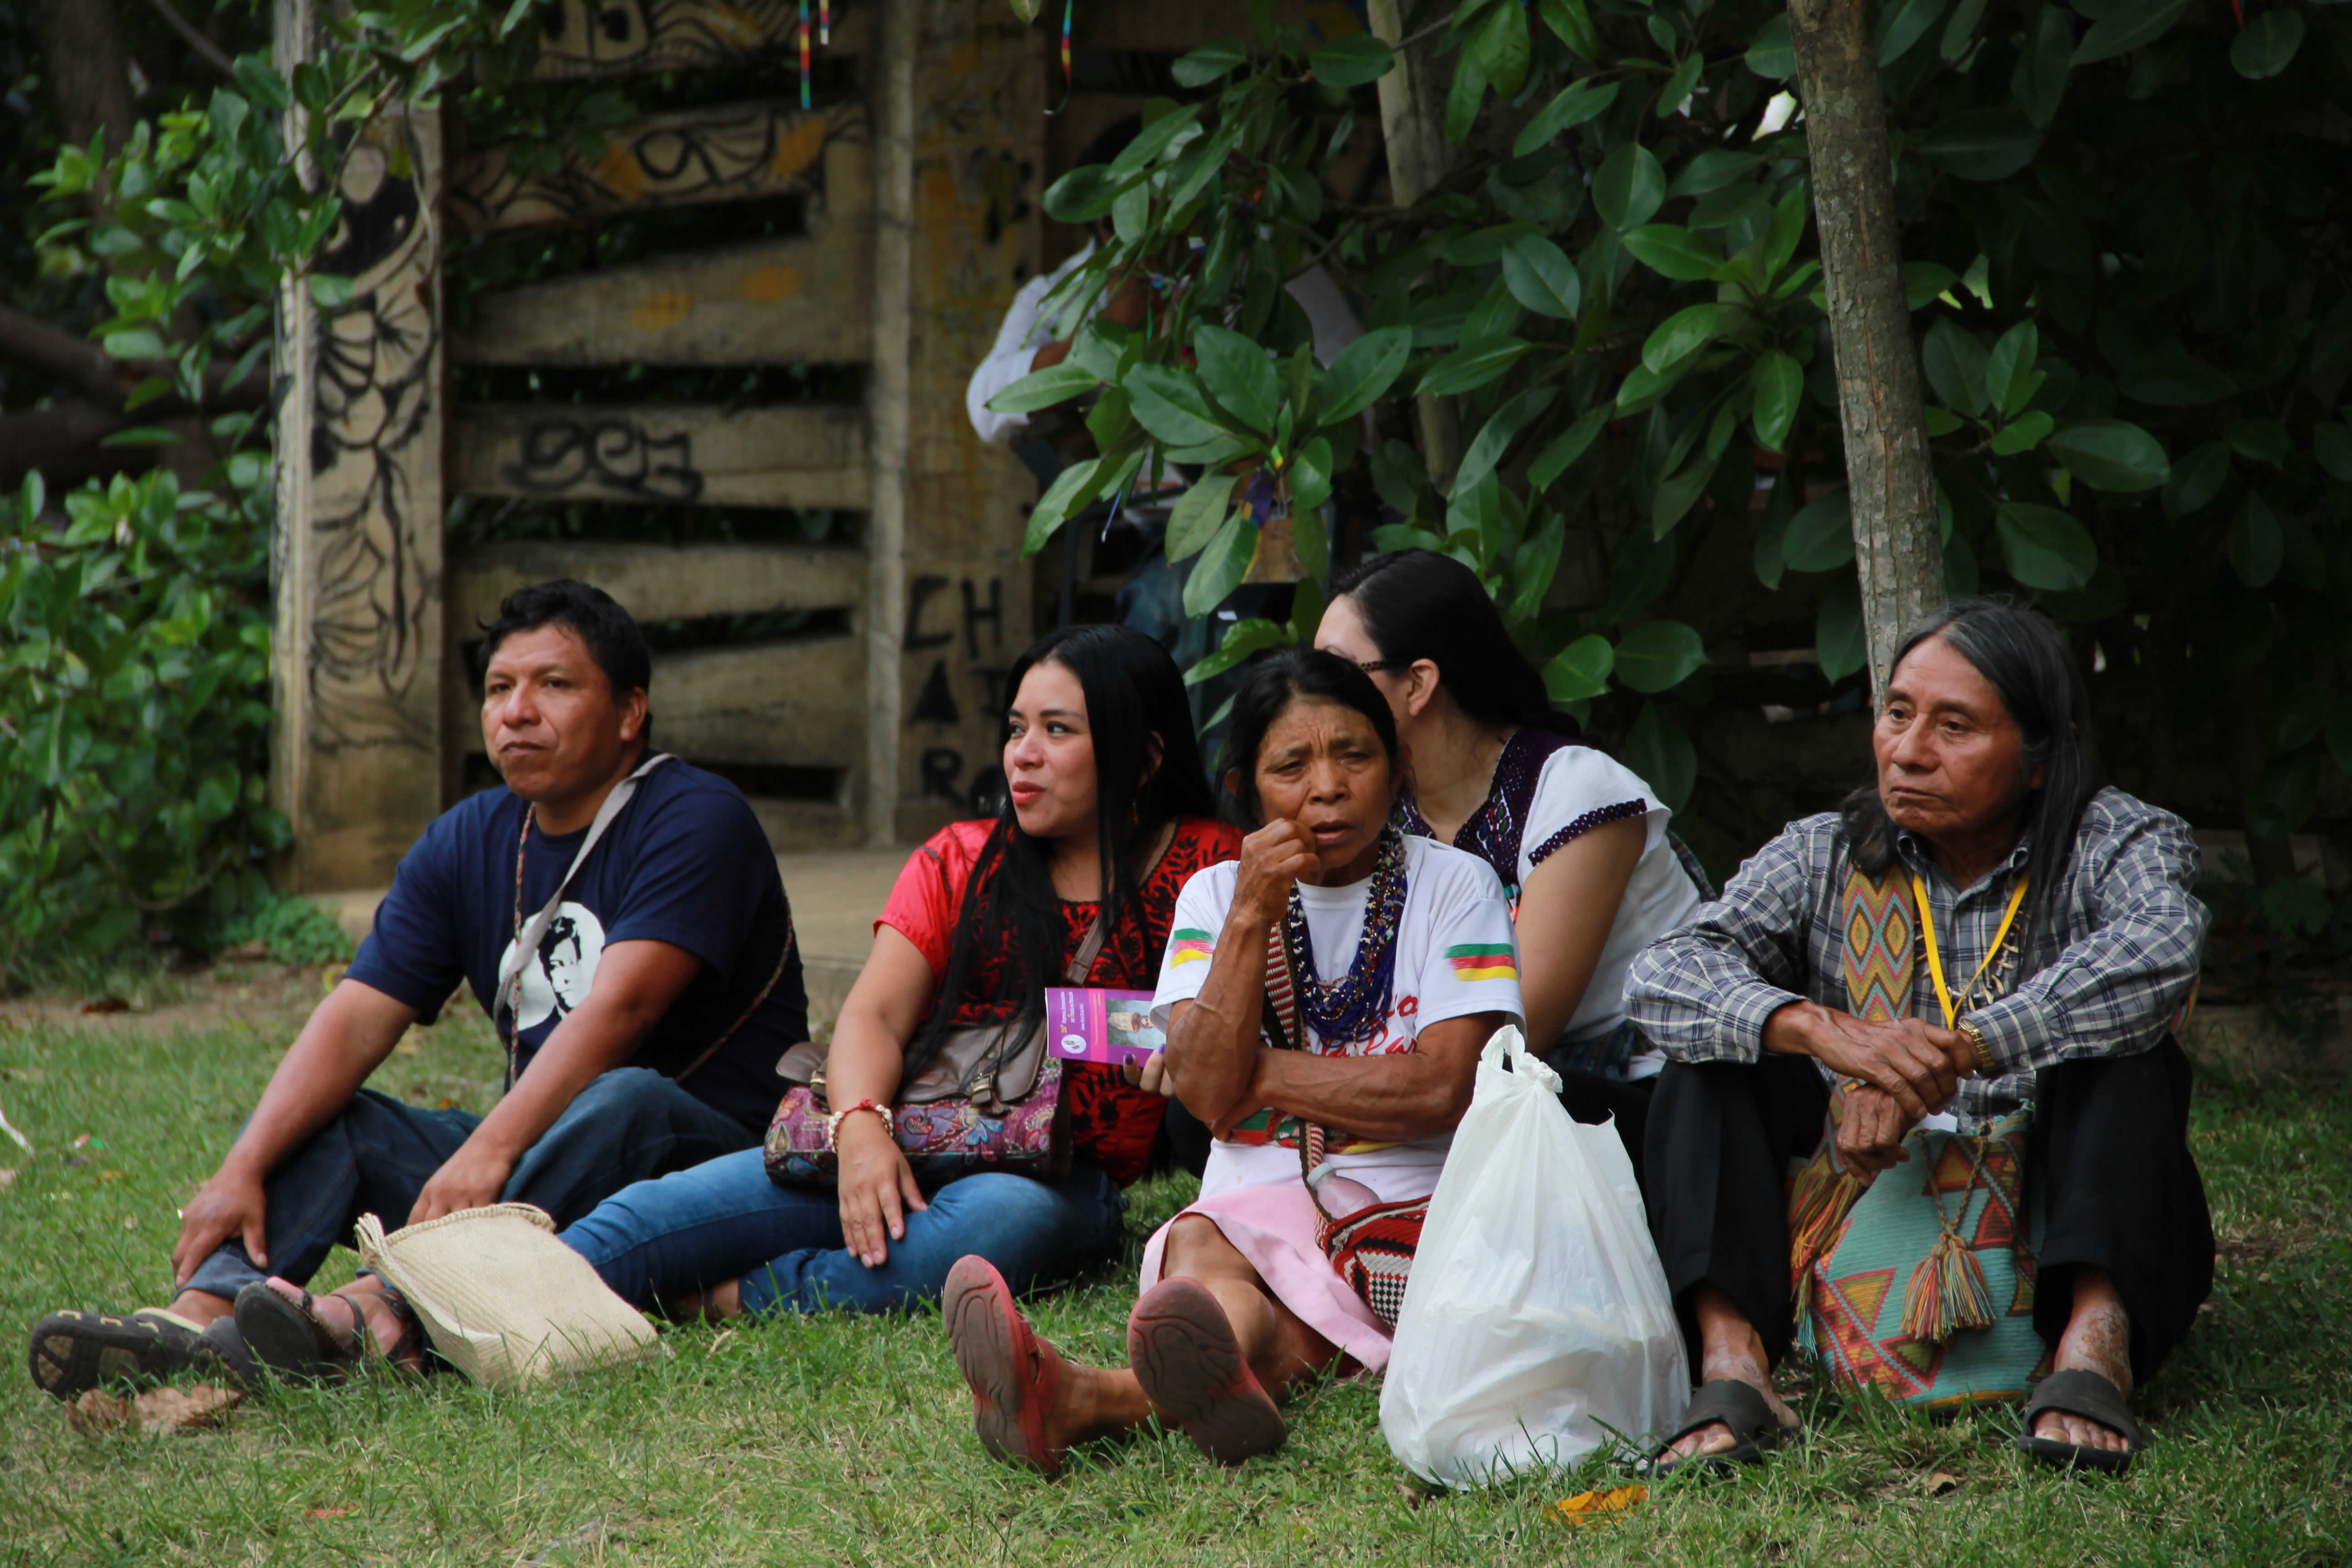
{"type": "Point", "coordinates": [824, 23]}
{"type": "Point", "coordinates": [804, 55]}
{"type": "Point", "coordinates": [1068, 7]}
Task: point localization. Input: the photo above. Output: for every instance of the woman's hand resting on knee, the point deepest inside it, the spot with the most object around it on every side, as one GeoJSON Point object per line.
{"type": "Point", "coordinates": [876, 1188]}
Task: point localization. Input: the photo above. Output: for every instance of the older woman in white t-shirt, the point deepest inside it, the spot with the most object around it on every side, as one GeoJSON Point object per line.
{"type": "Point", "coordinates": [1401, 951]}
{"type": "Point", "coordinates": [1578, 840]}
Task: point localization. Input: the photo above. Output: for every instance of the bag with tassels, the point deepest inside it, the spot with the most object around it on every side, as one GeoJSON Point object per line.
{"type": "Point", "coordinates": [1919, 1283]}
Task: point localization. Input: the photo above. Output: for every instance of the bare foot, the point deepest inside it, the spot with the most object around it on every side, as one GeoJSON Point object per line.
{"type": "Point", "coordinates": [1731, 1349]}
{"type": "Point", "coordinates": [2097, 1339]}
{"type": "Point", "coordinates": [202, 1307]}
{"type": "Point", "coordinates": [715, 1305]}
{"type": "Point", "coordinates": [364, 1304]}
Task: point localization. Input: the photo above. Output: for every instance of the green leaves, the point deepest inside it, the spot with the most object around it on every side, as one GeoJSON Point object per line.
{"type": "Point", "coordinates": [1238, 374]}
{"type": "Point", "coordinates": [1579, 672]}
{"type": "Point", "coordinates": [1657, 654]}
{"type": "Point", "coordinates": [1674, 251]}
{"type": "Point", "coordinates": [2045, 548]}
{"type": "Point", "coordinates": [2266, 46]}
{"type": "Point", "coordinates": [1820, 535]}
{"type": "Point", "coordinates": [1352, 60]}
{"type": "Point", "coordinates": [2112, 454]}
{"type": "Point", "coordinates": [2126, 24]}
{"type": "Point", "coordinates": [1243, 639]}
{"type": "Point", "coordinates": [1629, 186]}
{"type": "Point", "coordinates": [1955, 363]}
{"type": "Point", "coordinates": [1662, 756]}
{"type": "Point", "coordinates": [1473, 365]}
{"type": "Point", "coordinates": [2331, 444]}
{"type": "Point", "coordinates": [1487, 449]}
{"type": "Point", "coordinates": [1197, 515]}
{"type": "Point", "coordinates": [1223, 563]}
{"type": "Point", "coordinates": [1209, 62]}
{"type": "Point", "coordinates": [1500, 48]}
{"type": "Point", "coordinates": [1574, 104]}
{"type": "Point", "coordinates": [1170, 404]}
{"type": "Point", "coordinates": [1679, 336]}
{"type": "Point", "coordinates": [1566, 448]}
{"type": "Point", "coordinates": [2257, 546]}
{"type": "Point", "coordinates": [1044, 389]}
{"type": "Point", "coordinates": [1540, 276]}
{"type": "Point", "coordinates": [2010, 378]}
{"type": "Point", "coordinates": [1980, 143]}
{"type": "Point", "coordinates": [1778, 383]}
{"type": "Point", "coordinates": [1362, 372]}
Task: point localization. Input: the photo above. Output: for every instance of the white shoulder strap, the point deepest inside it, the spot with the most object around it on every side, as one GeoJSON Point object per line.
{"type": "Point", "coordinates": [509, 998]}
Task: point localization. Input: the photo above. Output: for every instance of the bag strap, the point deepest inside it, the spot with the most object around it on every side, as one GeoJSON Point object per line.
{"type": "Point", "coordinates": [527, 937]}
{"type": "Point", "coordinates": [1881, 956]}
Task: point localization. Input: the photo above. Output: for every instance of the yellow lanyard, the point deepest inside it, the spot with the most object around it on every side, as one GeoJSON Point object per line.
{"type": "Point", "coordinates": [1935, 960]}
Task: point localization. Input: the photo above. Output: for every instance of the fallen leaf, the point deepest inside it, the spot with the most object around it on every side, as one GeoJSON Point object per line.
{"type": "Point", "coordinates": [166, 1410]}
{"type": "Point", "coordinates": [158, 1413]}
{"type": "Point", "coordinates": [8, 1179]}
{"type": "Point", "coordinates": [329, 1512]}
{"type": "Point", "coordinates": [1595, 1508]}
{"type": "Point", "coordinates": [97, 1004]}
{"type": "Point", "coordinates": [131, 1222]}
{"type": "Point", "coordinates": [109, 1174]}
{"type": "Point", "coordinates": [1936, 1483]}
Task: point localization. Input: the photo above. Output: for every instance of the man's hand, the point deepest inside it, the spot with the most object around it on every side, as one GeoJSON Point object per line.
{"type": "Point", "coordinates": [1920, 1064]}
{"type": "Point", "coordinates": [229, 1206]}
{"type": "Point", "coordinates": [876, 1186]}
{"type": "Point", "coordinates": [471, 1178]}
{"type": "Point", "coordinates": [1870, 1138]}
{"type": "Point", "coordinates": [1273, 859]}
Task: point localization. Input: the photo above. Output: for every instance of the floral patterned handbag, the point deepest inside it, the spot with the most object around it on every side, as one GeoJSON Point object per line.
{"type": "Point", "coordinates": [990, 1101]}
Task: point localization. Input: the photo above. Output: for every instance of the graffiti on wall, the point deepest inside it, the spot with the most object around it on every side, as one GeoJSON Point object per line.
{"type": "Point", "coordinates": [597, 37]}
{"type": "Point", "coordinates": [732, 152]}
{"type": "Point", "coordinates": [373, 444]}
{"type": "Point", "coordinates": [958, 622]}
{"type": "Point", "coordinates": [566, 453]}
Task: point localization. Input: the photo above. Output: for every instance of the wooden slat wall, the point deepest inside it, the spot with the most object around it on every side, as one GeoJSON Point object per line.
{"type": "Point", "coordinates": [659, 582]}
{"type": "Point", "coordinates": [795, 703]}
{"type": "Point", "coordinates": [810, 454]}
{"type": "Point", "coordinates": [622, 38]}
{"type": "Point", "coordinates": [737, 152]}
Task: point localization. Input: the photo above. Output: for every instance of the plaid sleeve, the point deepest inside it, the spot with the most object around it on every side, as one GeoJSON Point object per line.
{"type": "Point", "coordinates": [2117, 988]}
{"type": "Point", "coordinates": [1702, 992]}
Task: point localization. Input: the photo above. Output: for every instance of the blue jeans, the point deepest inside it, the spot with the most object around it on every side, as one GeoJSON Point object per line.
{"type": "Point", "coordinates": [376, 1156]}
{"type": "Point", "coordinates": [726, 1220]}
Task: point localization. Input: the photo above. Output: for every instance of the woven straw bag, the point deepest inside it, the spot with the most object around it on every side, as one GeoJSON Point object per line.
{"type": "Point", "coordinates": [508, 1304]}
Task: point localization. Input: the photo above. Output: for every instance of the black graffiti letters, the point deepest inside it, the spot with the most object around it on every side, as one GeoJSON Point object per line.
{"type": "Point", "coordinates": [561, 454]}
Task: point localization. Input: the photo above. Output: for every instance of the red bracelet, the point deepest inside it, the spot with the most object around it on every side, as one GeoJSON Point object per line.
{"type": "Point", "coordinates": [832, 1123]}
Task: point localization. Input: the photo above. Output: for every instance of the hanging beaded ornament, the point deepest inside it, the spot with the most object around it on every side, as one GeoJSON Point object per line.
{"type": "Point", "coordinates": [1351, 1008]}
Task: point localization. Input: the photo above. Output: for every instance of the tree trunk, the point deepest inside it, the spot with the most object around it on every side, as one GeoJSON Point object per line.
{"type": "Point", "coordinates": [1412, 128]}
{"type": "Point", "coordinates": [1898, 545]}
{"type": "Point", "coordinates": [87, 72]}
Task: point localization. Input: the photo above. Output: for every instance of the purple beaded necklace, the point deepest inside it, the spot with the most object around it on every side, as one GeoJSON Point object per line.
{"type": "Point", "coordinates": [1349, 1008]}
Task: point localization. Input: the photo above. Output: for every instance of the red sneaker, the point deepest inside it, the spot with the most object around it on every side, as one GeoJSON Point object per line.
{"type": "Point", "coordinates": [1013, 1374]}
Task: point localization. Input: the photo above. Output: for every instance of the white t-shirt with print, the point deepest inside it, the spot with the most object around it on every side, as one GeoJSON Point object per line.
{"type": "Point", "coordinates": [1581, 789]}
{"type": "Point", "coordinates": [1453, 957]}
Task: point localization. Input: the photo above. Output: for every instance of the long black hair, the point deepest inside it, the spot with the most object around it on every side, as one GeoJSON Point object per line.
{"type": "Point", "coordinates": [1271, 683]}
{"type": "Point", "coordinates": [2023, 657]}
{"type": "Point", "coordinates": [1417, 605]}
{"type": "Point", "coordinates": [1148, 774]}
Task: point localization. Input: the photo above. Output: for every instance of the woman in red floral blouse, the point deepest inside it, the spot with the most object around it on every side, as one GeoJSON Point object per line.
{"type": "Point", "coordinates": [1108, 813]}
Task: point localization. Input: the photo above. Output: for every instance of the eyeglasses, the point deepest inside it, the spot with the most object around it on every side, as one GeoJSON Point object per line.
{"type": "Point", "coordinates": [1376, 666]}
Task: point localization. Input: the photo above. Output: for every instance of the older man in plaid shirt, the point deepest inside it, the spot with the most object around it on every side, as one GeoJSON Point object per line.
{"type": "Point", "coordinates": [1985, 769]}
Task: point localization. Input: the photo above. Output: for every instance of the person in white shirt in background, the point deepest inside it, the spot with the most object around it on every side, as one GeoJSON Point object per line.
{"type": "Point", "coordinates": [1152, 599]}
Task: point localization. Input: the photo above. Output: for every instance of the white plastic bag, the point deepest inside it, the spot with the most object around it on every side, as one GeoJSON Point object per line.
{"type": "Point", "coordinates": [1537, 1326]}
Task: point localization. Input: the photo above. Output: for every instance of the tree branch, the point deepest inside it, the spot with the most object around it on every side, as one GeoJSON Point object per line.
{"type": "Point", "coordinates": [193, 38]}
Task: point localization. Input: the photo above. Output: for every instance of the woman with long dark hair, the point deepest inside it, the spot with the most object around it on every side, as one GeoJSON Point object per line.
{"type": "Point", "coordinates": [1389, 960]}
{"type": "Point", "coordinates": [1578, 840]}
{"type": "Point", "coordinates": [1108, 812]}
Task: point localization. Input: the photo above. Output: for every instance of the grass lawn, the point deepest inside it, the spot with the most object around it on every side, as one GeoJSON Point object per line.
{"type": "Point", "coordinates": [848, 1441]}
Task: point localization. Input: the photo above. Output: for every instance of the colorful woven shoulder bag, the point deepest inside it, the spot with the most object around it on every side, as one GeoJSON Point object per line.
{"type": "Point", "coordinates": [1920, 1283]}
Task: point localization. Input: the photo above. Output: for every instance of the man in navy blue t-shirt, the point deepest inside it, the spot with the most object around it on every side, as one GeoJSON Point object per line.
{"type": "Point", "coordinates": [643, 1031]}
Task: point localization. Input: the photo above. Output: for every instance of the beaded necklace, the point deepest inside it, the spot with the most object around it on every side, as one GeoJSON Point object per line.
{"type": "Point", "coordinates": [1349, 1008]}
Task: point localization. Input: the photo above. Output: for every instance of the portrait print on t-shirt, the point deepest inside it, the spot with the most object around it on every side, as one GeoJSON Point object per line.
{"type": "Point", "coordinates": [557, 982]}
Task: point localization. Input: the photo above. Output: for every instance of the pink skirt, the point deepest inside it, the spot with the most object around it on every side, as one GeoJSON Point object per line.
{"type": "Point", "coordinates": [1273, 1228]}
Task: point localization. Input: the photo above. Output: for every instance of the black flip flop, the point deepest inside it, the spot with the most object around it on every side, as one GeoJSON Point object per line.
{"type": "Point", "coordinates": [2094, 1397]}
{"type": "Point", "coordinates": [73, 1352]}
{"type": "Point", "coordinates": [1756, 1430]}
